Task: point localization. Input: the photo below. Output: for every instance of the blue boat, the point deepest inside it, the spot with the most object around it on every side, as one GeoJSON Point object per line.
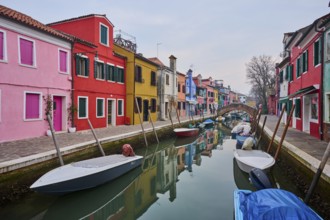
{"type": "Point", "coordinates": [208, 122]}
{"type": "Point", "coordinates": [271, 204]}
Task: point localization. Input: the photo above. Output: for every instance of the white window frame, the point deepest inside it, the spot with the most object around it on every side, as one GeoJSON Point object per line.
{"type": "Point", "coordinates": [98, 75]}
{"type": "Point", "coordinates": [107, 44]}
{"type": "Point", "coordinates": [5, 57]}
{"type": "Point", "coordinates": [86, 97]}
{"type": "Point", "coordinates": [40, 106]}
{"type": "Point", "coordinates": [318, 109]}
{"type": "Point", "coordinates": [110, 64]}
{"type": "Point", "coordinates": [103, 107]}
{"type": "Point", "coordinates": [67, 61]}
{"type": "Point", "coordinates": [122, 107]}
{"type": "Point", "coordinates": [34, 65]}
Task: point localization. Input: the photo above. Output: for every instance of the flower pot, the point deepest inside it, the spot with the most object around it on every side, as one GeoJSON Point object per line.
{"type": "Point", "coordinates": [72, 129]}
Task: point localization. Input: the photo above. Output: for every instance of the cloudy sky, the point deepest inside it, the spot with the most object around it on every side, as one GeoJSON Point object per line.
{"type": "Point", "coordinates": [214, 38]}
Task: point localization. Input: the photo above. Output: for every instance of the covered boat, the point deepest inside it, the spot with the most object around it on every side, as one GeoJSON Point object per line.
{"type": "Point", "coordinates": [85, 174]}
{"type": "Point", "coordinates": [249, 159]}
{"type": "Point", "coordinates": [271, 204]}
{"type": "Point", "coordinates": [186, 132]}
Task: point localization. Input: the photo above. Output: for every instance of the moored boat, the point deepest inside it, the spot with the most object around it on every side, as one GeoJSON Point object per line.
{"type": "Point", "coordinates": [272, 204]}
{"type": "Point", "coordinates": [85, 174]}
{"type": "Point", "coordinates": [186, 132]}
{"type": "Point", "coordinates": [248, 159]}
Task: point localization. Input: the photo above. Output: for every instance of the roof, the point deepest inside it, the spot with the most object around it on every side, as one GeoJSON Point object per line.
{"type": "Point", "coordinates": [157, 61]}
{"type": "Point", "coordinates": [30, 22]}
{"type": "Point", "coordinates": [141, 57]}
{"type": "Point", "coordinates": [82, 17]}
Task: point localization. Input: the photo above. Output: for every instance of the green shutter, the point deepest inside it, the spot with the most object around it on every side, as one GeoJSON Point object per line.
{"type": "Point", "coordinates": [297, 109]}
{"type": "Point", "coordinates": [77, 65]}
{"type": "Point", "coordinates": [87, 67]}
{"type": "Point", "coordinates": [107, 72]}
{"type": "Point", "coordinates": [306, 60]}
{"type": "Point", "coordinates": [95, 65]}
{"type": "Point", "coordinates": [116, 74]}
{"type": "Point", "coordinates": [103, 70]}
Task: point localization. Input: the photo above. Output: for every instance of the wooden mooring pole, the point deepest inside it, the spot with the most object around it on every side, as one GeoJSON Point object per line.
{"type": "Point", "coordinates": [54, 139]}
{"type": "Point", "coordinates": [141, 122]}
{"type": "Point", "coordinates": [97, 140]}
{"type": "Point", "coordinates": [284, 133]}
{"type": "Point", "coordinates": [153, 127]}
{"type": "Point", "coordinates": [318, 174]}
{"type": "Point", "coordinates": [261, 132]}
{"type": "Point", "coordinates": [276, 128]}
{"type": "Point", "coordinates": [169, 115]}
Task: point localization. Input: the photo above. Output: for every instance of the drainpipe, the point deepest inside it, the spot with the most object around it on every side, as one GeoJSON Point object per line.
{"type": "Point", "coordinates": [72, 84]}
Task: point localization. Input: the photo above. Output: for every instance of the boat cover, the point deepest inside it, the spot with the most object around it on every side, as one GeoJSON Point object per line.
{"type": "Point", "coordinates": [208, 121]}
{"type": "Point", "coordinates": [274, 204]}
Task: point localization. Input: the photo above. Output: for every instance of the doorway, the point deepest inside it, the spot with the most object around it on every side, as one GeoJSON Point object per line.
{"type": "Point", "coordinates": [306, 113]}
{"type": "Point", "coordinates": [145, 110]}
{"type": "Point", "coordinates": [111, 113]}
{"type": "Point", "coordinates": [57, 113]}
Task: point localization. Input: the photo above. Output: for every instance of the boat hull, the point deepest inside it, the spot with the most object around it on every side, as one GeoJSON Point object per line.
{"type": "Point", "coordinates": [249, 159]}
{"type": "Point", "coordinates": [186, 132]}
{"type": "Point", "coordinates": [85, 174]}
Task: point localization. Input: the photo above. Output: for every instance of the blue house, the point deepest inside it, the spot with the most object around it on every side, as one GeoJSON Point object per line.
{"type": "Point", "coordinates": [191, 98]}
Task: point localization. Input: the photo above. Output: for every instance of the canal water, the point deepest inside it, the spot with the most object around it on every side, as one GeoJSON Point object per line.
{"type": "Point", "coordinates": [190, 178]}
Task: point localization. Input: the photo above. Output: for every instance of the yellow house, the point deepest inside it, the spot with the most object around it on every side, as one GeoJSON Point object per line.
{"type": "Point", "coordinates": [140, 84]}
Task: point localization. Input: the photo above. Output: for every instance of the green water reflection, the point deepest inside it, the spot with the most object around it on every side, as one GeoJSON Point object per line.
{"type": "Point", "coordinates": [191, 178]}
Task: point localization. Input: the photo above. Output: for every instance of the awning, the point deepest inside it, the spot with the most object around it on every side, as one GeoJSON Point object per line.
{"type": "Point", "coordinates": [304, 91]}
{"type": "Point", "coordinates": [284, 99]}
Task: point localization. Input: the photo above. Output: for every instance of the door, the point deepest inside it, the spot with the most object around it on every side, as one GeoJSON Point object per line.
{"type": "Point", "coordinates": [306, 113]}
{"type": "Point", "coordinates": [166, 109]}
{"type": "Point", "coordinates": [57, 113]}
{"type": "Point", "coordinates": [145, 110]}
{"type": "Point", "coordinates": [111, 112]}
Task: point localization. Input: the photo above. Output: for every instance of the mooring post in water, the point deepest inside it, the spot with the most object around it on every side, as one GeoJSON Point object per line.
{"type": "Point", "coordinates": [97, 140]}
{"type": "Point", "coordinates": [318, 174]}
{"type": "Point", "coordinates": [261, 132]}
{"type": "Point", "coordinates": [177, 115]}
{"type": "Point", "coordinates": [54, 139]}
{"type": "Point", "coordinates": [169, 115]}
{"type": "Point", "coordinates": [153, 127]}
{"type": "Point", "coordinates": [284, 132]}
{"type": "Point", "coordinates": [141, 122]}
{"type": "Point", "coordinates": [276, 128]}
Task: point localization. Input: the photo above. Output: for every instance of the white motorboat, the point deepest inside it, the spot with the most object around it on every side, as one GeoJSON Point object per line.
{"type": "Point", "coordinates": [249, 159]}
{"type": "Point", "coordinates": [85, 174]}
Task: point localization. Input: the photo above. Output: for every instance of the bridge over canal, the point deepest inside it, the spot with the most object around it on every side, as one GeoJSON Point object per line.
{"type": "Point", "coordinates": [237, 106]}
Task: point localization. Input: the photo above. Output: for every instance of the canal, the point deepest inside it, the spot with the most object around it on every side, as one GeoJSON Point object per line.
{"type": "Point", "coordinates": [191, 178]}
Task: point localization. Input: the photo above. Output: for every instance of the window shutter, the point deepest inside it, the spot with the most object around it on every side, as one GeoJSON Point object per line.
{"type": "Point", "coordinates": [87, 67]}
{"type": "Point", "coordinates": [103, 70]}
{"type": "Point", "coordinates": [116, 78]}
{"type": "Point", "coordinates": [77, 65]}
{"type": "Point", "coordinates": [95, 68]}
{"type": "Point", "coordinates": [106, 72]}
{"type": "Point", "coordinates": [306, 60]}
{"type": "Point", "coordinates": [297, 109]}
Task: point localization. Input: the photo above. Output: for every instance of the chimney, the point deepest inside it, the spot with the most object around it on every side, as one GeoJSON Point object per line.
{"type": "Point", "coordinates": [173, 63]}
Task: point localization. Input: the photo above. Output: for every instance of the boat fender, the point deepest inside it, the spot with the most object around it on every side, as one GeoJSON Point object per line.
{"type": "Point", "coordinates": [128, 150]}
{"type": "Point", "coordinates": [248, 144]}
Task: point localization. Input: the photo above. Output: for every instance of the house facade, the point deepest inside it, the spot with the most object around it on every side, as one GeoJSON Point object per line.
{"type": "Point", "coordinates": [35, 64]}
{"type": "Point", "coordinates": [167, 83]}
{"type": "Point", "coordinates": [99, 75]}
{"type": "Point", "coordinates": [181, 94]}
{"type": "Point", "coordinates": [201, 93]}
{"type": "Point", "coordinates": [210, 99]}
{"type": "Point", "coordinates": [191, 98]}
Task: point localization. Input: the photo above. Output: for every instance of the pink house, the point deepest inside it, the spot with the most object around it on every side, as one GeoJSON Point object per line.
{"type": "Point", "coordinates": [34, 65]}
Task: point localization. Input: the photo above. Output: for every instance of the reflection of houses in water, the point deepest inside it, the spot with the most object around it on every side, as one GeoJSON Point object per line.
{"type": "Point", "coordinates": [167, 172]}
{"type": "Point", "coordinates": [181, 159]}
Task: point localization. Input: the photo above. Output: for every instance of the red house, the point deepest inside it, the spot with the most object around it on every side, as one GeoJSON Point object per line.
{"type": "Point", "coordinates": [99, 90]}
{"type": "Point", "coordinates": [304, 74]}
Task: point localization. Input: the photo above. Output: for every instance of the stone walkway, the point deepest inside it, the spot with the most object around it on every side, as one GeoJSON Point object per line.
{"type": "Point", "coordinates": [17, 154]}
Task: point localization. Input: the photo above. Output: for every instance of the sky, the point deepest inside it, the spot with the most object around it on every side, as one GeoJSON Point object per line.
{"type": "Point", "coordinates": [214, 38]}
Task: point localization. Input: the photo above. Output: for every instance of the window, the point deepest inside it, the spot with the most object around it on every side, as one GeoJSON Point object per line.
{"type": "Point", "coordinates": [281, 76]}
{"type": "Point", "coordinates": [299, 66]}
{"type": "Point", "coordinates": [82, 65]}
{"type": "Point", "coordinates": [99, 70]}
{"type": "Point", "coordinates": [3, 46]}
{"type": "Point", "coordinates": [153, 78]}
{"type": "Point", "coordinates": [120, 74]}
{"type": "Point", "coordinates": [99, 107]}
{"type": "Point", "coordinates": [179, 105]}
{"type": "Point", "coordinates": [139, 102]}
{"type": "Point", "coordinates": [327, 54]}
{"type": "Point", "coordinates": [26, 52]}
{"type": "Point", "coordinates": [120, 103]}
{"type": "Point", "coordinates": [138, 74]}
{"type": "Point", "coordinates": [110, 72]}
{"type": "Point", "coordinates": [183, 105]}
{"type": "Point", "coordinates": [314, 108]}
{"type": "Point", "coordinates": [167, 79]}
{"type": "Point", "coordinates": [82, 107]}
{"type": "Point", "coordinates": [153, 105]}
{"type": "Point", "coordinates": [183, 89]}
{"type": "Point", "coordinates": [63, 61]}
{"type": "Point", "coordinates": [104, 34]}
{"type": "Point", "coordinates": [305, 61]}
{"type": "Point", "coordinates": [179, 88]}
{"type": "Point", "coordinates": [32, 104]}
{"type": "Point", "coordinates": [317, 53]}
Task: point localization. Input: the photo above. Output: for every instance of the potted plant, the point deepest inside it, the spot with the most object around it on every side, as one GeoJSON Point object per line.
{"type": "Point", "coordinates": [48, 110]}
{"type": "Point", "coordinates": [72, 109]}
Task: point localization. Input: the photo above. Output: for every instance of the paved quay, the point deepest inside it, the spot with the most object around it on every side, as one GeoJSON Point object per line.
{"type": "Point", "coordinates": [18, 154]}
